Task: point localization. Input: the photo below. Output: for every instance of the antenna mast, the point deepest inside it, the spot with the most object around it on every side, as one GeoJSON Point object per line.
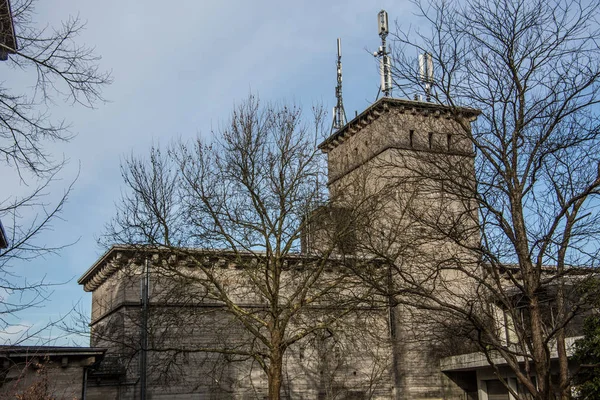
{"type": "Point", "coordinates": [339, 114]}
{"type": "Point", "coordinates": [385, 65]}
{"type": "Point", "coordinates": [426, 72]}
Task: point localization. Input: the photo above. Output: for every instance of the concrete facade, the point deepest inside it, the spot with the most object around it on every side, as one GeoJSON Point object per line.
{"type": "Point", "coordinates": [407, 162]}
{"type": "Point", "coordinates": [388, 353]}
{"type": "Point", "coordinates": [328, 365]}
{"type": "Point", "coordinates": [46, 372]}
{"type": "Point", "coordinates": [488, 385]}
{"type": "Point", "coordinates": [397, 152]}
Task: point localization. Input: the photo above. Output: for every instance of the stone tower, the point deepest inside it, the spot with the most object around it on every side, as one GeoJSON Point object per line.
{"type": "Point", "coordinates": [410, 166]}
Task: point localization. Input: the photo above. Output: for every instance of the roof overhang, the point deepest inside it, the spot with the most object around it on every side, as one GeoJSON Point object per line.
{"type": "Point", "coordinates": [475, 361]}
{"type": "Point", "coordinates": [386, 104]}
{"type": "Point", "coordinates": [119, 256]}
{"type": "Point", "coordinates": [14, 352]}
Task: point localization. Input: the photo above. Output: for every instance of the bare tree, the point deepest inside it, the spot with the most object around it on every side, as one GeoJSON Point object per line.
{"type": "Point", "coordinates": [61, 69]}
{"type": "Point", "coordinates": [519, 223]}
{"type": "Point", "coordinates": [223, 221]}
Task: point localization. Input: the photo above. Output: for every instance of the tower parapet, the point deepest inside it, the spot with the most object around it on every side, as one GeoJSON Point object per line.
{"type": "Point", "coordinates": [407, 125]}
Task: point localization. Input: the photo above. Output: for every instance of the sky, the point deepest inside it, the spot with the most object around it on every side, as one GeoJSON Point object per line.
{"type": "Point", "coordinates": [178, 70]}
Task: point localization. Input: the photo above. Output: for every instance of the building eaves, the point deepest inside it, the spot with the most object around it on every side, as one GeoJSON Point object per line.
{"type": "Point", "coordinates": [94, 269]}
{"type": "Point", "coordinates": [105, 266]}
{"type": "Point", "coordinates": [49, 351]}
{"type": "Point", "coordinates": [385, 104]}
{"type": "Point", "coordinates": [474, 361]}
{"type": "Point", "coordinates": [115, 257]}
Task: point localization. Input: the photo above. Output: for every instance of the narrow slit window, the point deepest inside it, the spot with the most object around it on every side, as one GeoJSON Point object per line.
{"type": "Point", "coordinates": [448, 141]}
{"type": "Point", "coordinates": [430, 140]}
{"type": "Point", "coordinates": [411, 137]}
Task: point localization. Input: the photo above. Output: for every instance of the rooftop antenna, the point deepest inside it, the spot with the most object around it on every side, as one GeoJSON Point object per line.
{"type": "Point", "coordinates": [339, 114]}
{"type": "Point", "coordinates": [385, 66]}
{"type": "Point", "coordinates": [426, 72]}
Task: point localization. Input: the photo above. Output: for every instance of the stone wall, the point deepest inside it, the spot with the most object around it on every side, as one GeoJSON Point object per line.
{"type": "Point", "coordinates": [410, 167]}
{"type": "Point", "coordinates": [45, 372]}
{"type": "Point", "coordinates": [391, 170]}
{"type": "Point", "coordinates": [350, 359]}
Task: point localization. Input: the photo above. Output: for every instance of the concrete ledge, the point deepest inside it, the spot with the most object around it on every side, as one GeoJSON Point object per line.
{"type": "Point", "coordinates": [471, 361]}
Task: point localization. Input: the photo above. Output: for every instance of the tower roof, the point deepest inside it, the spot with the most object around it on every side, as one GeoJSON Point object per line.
{"type": "Point", "coordinates": [384, 104]}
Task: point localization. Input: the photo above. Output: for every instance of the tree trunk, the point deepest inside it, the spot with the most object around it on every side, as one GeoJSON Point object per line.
{"type": "Point", "coordinates": [275, 374]}
{"type": "Point", "coordinates": [563, 361]}
{"type": "Point", "coordinates": [540, 351]}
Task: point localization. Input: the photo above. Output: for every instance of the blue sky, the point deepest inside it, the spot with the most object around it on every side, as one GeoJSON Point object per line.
{"type": "Point", "coordinates": [178, 70]}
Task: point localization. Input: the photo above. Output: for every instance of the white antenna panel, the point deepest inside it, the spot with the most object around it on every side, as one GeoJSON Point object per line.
{"type": "Point", "coordinates": [426, 72]}
{"type": "Point", "coordinates": [429, 67]}
{"type": "Point", "coordinates": [382, 74]}
{"type": "Point", "coordinates": [388, 72]}
{"type": "Point", "coordinates": [426, 67]}
{"type": "Point", "coordinates": [382, 20]}
{"type": "Point", "coordinates": [385, 65]}
{"type": "Point", "coordinates": [385, 71]}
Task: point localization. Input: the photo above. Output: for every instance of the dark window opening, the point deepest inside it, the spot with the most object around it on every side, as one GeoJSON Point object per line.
{"type": "Point", "coordinates": [496, 390]}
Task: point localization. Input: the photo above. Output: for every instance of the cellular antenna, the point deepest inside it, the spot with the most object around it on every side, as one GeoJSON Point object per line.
{"type": "Point", "coordinates": [426, 72]}
{"type": "Point", "coordinates": [339, 114]}
{"type": "Point", "coordinates": [385, 65]}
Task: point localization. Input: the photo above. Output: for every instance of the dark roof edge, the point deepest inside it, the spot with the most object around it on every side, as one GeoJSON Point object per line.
{"type": "Point", "coordinates": [23, 351]}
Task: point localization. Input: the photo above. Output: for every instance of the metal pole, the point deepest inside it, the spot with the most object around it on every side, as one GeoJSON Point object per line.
{"type": "Point", "coordinates": [144, 330]}
{"type": "Point", "coordinates": [84, 383]}
{"type": "Point", "coordinates": [339, 114]}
